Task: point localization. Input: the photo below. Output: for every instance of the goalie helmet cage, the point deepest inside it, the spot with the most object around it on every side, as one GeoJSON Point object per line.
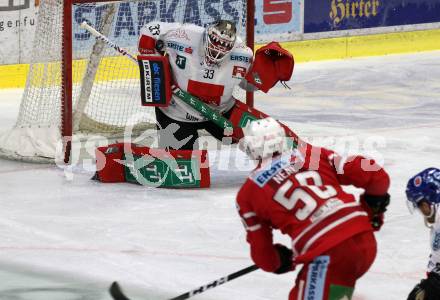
{"type": "Point", "coordinates": [78, 88]}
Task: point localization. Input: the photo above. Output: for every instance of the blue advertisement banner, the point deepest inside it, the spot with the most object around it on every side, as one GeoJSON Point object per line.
{"type": "Point", "coordinates": [131, 16]}
{"type": "Point", "coordinates": [272, 17]}
{"type": "Point", "coordinates": [331, 15]}
{"type": "Point", "coordinates": [277, 16]}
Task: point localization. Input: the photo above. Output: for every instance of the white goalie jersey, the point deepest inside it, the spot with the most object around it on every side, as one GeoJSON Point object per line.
{"type": "Point", "coordinates": [434, 258]}
{"type": "Point", "coordinates": [213, 84]}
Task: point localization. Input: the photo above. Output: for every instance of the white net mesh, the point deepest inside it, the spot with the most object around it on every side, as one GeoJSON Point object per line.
{"type": "Point", "coordinates": [106, 91]}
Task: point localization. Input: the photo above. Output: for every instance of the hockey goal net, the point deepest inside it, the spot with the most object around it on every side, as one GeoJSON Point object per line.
{"type": "Point", "coordinates": [78, 87]}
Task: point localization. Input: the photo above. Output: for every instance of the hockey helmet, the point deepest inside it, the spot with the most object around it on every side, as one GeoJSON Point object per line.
{"type": "Point", "coordinates": [423, 186]}
{"type": "Point", "coordinates": [219, 40]}
{"type": "Point", "coordinates": [263, 138]}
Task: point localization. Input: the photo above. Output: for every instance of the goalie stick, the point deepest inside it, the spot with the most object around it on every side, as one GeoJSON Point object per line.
{"type": "Point", "coordinates": [117, 294]}
{"type": "Point", "coordinates": [100, 36]}
{"type": "Point", "coordinates": [189, 99]}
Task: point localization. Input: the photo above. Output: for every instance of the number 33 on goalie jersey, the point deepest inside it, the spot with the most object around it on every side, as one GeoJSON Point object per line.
{"type": "Point", "coordinates": [301, 195]}
{"type": "Point", "coordinates": [183, 43]}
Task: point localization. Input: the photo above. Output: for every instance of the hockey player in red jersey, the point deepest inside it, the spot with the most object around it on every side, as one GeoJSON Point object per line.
{"type": "Point", "coordinates": [299, 192]}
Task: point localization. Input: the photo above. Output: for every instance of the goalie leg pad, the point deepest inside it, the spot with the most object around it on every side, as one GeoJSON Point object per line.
{"type": "Point", "coordinates": [242, 114]}
{"type": "Point", "coordinates": [153, 167]}
{"type": "Point", "coordinates": [108, 166]}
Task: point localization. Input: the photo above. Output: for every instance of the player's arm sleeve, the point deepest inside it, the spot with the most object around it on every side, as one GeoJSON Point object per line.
{"type": "Point", "coordinates": [361, 172]}
{"type": "Point", "coordinates": [258, 234]}
{"type": "Point", "coordinates": [152, 35]}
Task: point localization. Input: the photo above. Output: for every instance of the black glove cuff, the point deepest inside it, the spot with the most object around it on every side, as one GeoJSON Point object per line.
{"type": "Point", "coordinates": [378, 204]}
{"type": "Point", "coordinates": [286, 256]}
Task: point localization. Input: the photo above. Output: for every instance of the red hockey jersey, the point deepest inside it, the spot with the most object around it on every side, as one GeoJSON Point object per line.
{"type": "Point", "coordinates": [301, 195]}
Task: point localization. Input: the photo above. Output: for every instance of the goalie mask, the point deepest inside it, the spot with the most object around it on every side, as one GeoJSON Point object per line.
{"type": "Point", "coordinates": [219, 40]}
{"type": "Point", "coordinates": [423, 186]}
{"type": "Point", "coordinates": [263, 139]}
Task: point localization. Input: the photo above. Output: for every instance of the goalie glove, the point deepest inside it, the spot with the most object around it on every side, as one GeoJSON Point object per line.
{"type": "Point", "coordinates": [375, 206]}
{"type": "Point", "coordinates": [148, 45]}
{"type": "Point", "coordinates": [272, 64]}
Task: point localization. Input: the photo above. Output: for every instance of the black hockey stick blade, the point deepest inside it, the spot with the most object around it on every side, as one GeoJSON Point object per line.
{"type": "Point", "coordinates": [116, 292]}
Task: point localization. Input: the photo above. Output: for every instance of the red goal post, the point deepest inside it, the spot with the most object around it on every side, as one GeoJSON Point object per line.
{"type": "Point", "coordinates": [78, 87]}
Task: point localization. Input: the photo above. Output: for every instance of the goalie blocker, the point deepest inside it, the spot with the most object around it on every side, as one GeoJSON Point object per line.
{"type": "Point", "coordinates": [155, 79]}
{"type": "Point", "coordinates": [152, 167]}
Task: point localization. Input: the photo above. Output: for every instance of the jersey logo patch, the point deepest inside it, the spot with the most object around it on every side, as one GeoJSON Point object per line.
{"type": "Point", "coordinates": [261, 177]}
{"type": "Point", "coordinates": [176, 46]}
{"type": "Point", "coordinates": [242, 58]}
{"type": "Point", "coordinates": [181, 61]}
{"type": "Point", "coordinates": [179, 33]}
{"type": "Point", "coordinates": [239, 72]}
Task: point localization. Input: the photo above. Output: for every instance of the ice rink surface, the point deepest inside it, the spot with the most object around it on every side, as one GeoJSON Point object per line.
{"type": "Point", "coordinates": [63, 236]}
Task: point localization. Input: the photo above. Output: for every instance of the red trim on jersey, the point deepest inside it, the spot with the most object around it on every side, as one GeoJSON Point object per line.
{"type": "Point", "coordinates": [207, 92]}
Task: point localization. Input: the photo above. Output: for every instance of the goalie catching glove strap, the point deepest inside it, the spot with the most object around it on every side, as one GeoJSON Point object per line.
{"type": "Point", "coordinates": [272, 63]}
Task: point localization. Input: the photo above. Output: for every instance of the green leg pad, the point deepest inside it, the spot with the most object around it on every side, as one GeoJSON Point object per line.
{"type": "Point", "coordinates": [339, 292]}
{"type": "Point", "coordinates": [162, 173]}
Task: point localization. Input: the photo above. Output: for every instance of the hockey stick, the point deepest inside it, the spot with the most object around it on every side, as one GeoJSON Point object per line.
{"type": "Point", "coordinates": [103, 38]}
{"type": "Point", "coordinates": [189, 99]}
{"type": "Point", "coordinates": [117, 294]}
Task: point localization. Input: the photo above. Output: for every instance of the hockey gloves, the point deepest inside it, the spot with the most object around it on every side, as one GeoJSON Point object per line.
{"type": "Point", "coordinates": [286, 259]}
{"type": "Point", "coordinates": [148, 45]}
{"type": "Point", "coordinates": [376, 206]}
{"type": "Point", "coordinates": [272, 64]}
{"type": "Point", "coordinates": [427, 289]}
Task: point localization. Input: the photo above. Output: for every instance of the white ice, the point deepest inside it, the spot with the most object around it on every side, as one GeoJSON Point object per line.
{"type": "Point", "coordinates": [63, 236]}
